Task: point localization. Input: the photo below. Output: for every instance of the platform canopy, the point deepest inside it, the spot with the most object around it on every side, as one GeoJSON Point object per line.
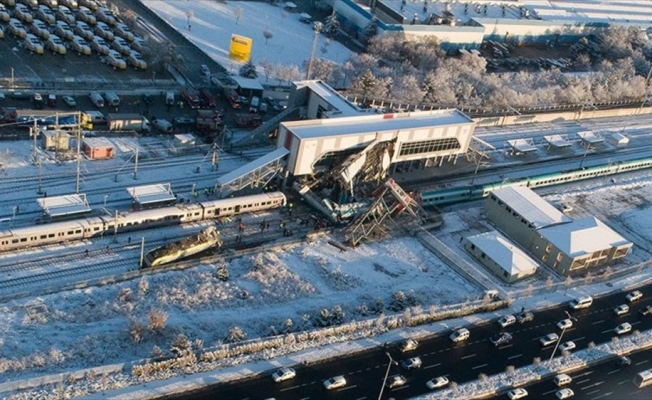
{"type": "Point", "coordinates": [588, 137]}
{"type": "Point", "coordinates": [61, 206]}
{"type": "Point", "coordinates": [522, 145]}
{"type": "Point", "coordinates": [151, 194]}
{"type": "Point", "coordinates": [558, 141]}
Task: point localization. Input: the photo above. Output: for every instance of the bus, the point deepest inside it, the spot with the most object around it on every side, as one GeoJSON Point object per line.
{"type": "Point", "coordinates": [643, 378]}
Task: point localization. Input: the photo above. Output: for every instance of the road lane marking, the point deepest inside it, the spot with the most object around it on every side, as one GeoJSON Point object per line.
{"type": "Point", "coordinates": [432, 366]}
{"type": "Point", "coordinates": [636, 323]}
{"type": "Point", "coordinates": [603, 395]}
{"type": "Point", "coordinates": [552, 391]}
{"type": "Point", "coordinates": [359, 371]}
{"type": "Point", "coordinates": [613, 372]}
{"type": "Point", "coordinates": [505, 347]}
{"type": "Point", "coordinates": [582, 381]}
{"type": "Point", "coordinates": [578, 339]}
{"type": "Point", "coordinates": [480, 366]}
{"type": "Point", "coordinates": [597, 322]}
{"type": "Point", "coordinates": [361, 398]}
{"type": "Point", "coordinates": [516, 356]}
{"type": "Point", "coordinates": [608, 330]}
{"type": "Point", "coordinates": [472, 355]}
{"type": "Point", "coordinates": [290, 388]}
{"type": "Point", "coordinates": [642, 362]}
{"type": "Point", "coordinates": [595, 391]}
{"type": "Point", "coordinates": [347, 388]}
{"type": "Point", "coordinates": [620, 383]}
{"type": "Point", "coordinates": [592, 385]}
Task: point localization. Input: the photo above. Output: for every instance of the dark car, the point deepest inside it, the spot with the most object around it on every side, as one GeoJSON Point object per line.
{"type": "Point", "coordinates": [623, 361]}
{"type": "Point", "coordinates": [645, 311]}
{"type": "Point", "coordinates": [525, 317]}
{"type": "Point", "coordinates": [501, 338]}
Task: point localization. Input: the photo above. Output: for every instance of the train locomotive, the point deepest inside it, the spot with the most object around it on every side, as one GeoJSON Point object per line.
{"type": "Point", "coordinates": [86, 228]}
{"type": "Point", "coordinates": [476, 192]}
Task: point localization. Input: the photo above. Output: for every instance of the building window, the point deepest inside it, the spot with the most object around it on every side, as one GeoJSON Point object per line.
{"type": "Point", "coordinates": [483, 255]}
{"type": "Point", "coordinates": [429, 146]}
{"type": "Point", "coordinates": [472, 247]}
{"type": "Point", "coordinates": [505, 274]}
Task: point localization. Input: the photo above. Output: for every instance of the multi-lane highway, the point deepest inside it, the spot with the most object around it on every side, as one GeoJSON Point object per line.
{"type": "Point", "coordinates": [460, 362]}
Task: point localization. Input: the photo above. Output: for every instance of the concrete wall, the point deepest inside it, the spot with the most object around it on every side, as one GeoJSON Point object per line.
{"type": "Point", "coordinates": [506, 222]}
{"type": "Point", "coordinates": [560, 116]}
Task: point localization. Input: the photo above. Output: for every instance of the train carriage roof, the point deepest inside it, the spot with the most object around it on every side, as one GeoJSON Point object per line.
{"type": "Point", "coordinates": [41, 229]}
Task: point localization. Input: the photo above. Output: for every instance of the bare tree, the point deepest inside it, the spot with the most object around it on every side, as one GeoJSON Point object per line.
{"type": "Point", "coordinates": [238, 11]}
{"type": "Point", "coordinates": [607, 273]}
{"type": "Point", "coordinates": [267, 34]}
{"type": "Point", "coordinates": [156, 320]}
{"type": "Point", "coordinates": [268, 68]}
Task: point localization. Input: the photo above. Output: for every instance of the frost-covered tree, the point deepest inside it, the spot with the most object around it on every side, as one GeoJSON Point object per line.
{"type": "Point", "coordinates": [268, 68]}
{"type": "Point", "coordinates": [248, 70]}
{"type": "Point", "coordinates": [321, 69]}
{"type": "Point", "coordinates": [407, 89]}
{"type": "Point", "coordinates": [331, 25]}
{"type": "Point", "coordinates": [337, 315]}
{"type": "Point", "coordinates": [365, 84]}
{"type": "Point", "coordinates": [181, 345]}
{"type": "Point", "coordinates": [267, 34]}
{"type": "Point", "coordinates": [222, 273]}
{"type": "Point", "coordinates": [399, 301]}
{"type": "Point", "coordinates": [371, 30]}
{"type": "Point", "coordinates": [236, 334]}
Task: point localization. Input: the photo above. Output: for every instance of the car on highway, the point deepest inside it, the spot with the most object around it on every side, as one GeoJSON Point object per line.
{"type": "Point", "coordinates": [124, 31]}
{"type": "Point", "coordinates": [645, 311]}
{"type": "Point", "coordinates": [570, 345]}
{"type": "Point", "coordinates": [623, 328]}
{"type": "Point", "coordinates": [525, 317]}
{"type": "Point", "coordinates": [64, 14]}
{"type": "Point", "coordinates": [23, 13]}
{"type": "Point", "coordinates": [549, 339]}
{"type": "Point", "coordinates": [105, 15]}
{"type": "Point", "coordinates": [408, 345]}
{"type": "Point", "coordinates": [633, 296]}
{"type": "Point", "coordinates": [63, 30]}
{"type": "Point", "coordinates": [84, 30]}
{"type": "Point", "coordinates": [120, 45]}
{"type": "Point", "coordinates": [284, 374]}
{"type": "Point", "coordinates": [33, 44]}
{"type": "Point", "coordinates": [87, 16]}
{"type": "Point", "coordinates": [460, 335]}
{"type": "Point", "coordinates": [69, 101]}
{"type": "Point", "coordinates": [565, 324]}
{"type": "Point", "coordinates": [621, 309]}
{"type": "Point", "coordinates": [80, 46]}
{"type": "Point", "coordinates": [438, 382]}
{"type": "Point", "coordinates": [99, 45]}
{"type": "Point", "coordinates": [396, 381]}
{"type": "Point", "coordinates": [115, 60]}
{"type": "Point", "coordinates": [623, 361]}
{"type": "Point", "coordinates": [104, 31]}
{"type": "Point", "coordinates": [136, 60]}
{"type": "Point", "coordinates": [40, 29]}
{"type": "Point", "coordinates": [55, 45]}
{"type": "Point", "coordinates": [517, 393]}
{"type": "Point", "coordinates": [411, 363]}
{"type": "Point", "coordinates": [16, 28]}
{"type": "Point", "coordinates": [500, 338]}
{"type": "Point", "coordinates": [335, 382]}
{"type": "Point", "coordinates": [506, 320]}
{"type": "Point", "coordinates": [564, 393]}
{"type": "Point", "coordinates": [4, 14]}
{"type": "Point", "coordinates": [112, 99]}
{"type": "Point", "coordinates": [46, 14]}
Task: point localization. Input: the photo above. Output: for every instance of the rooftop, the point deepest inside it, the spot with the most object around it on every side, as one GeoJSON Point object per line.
{"type": "Point", "coordinates": [530, 206]}
{"type": "Point", "coordinates": [504, 253]}
{"type": "Point", "coordinates": [583, 236]}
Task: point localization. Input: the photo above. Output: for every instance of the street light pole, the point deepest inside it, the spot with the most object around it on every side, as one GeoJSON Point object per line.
{"type": "Point", "coordinates": [391, 361]}
{"type": "Point", "coordinates": [317, 29]}
{"type": "Point", "coordinates": [560, 336]}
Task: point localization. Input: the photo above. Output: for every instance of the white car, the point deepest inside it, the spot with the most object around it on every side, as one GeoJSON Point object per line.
{"type": "Point", "coordinates": [284, 374]}
{"type": "Point", "coordinates": [411, 363]}
{"type": "Point", "coordinates": [138, 44]}
{"type": "Point", "coordinates": [33, 44]}
{"type": "Point", "coordinates": [408, 345]}
{"type": "Point", "coordinates": [633, 296]}
{"type": "Point", "coordinates": [570, 345]}
{"type": "Point", "coordinates": [564, 324]}
{"type": "Point", "coordinates": [396, 381]}
{"type": "Point", "coordinates": [63, 30]}
{"type": "Point", "coordinates": [99, 45]}
{"type": "Point", "coordinates": [623, 328]}
{"type": "Point", "coordinates": [69, 3]}
{"type": "Point", "coordinates": [40, 29]}
{"type": "Point", "coordinates": [46, 14]}
{"type": "Point", "coordinates": [549, 339]}
{"type": "Point", "coordinates": [565, 393]}
{"type": "Point", "coordinates": [136, 60]}
{"type": "Point", "coordinates": [507, 320]}
{"type": "Point", "coordinates": [55, 45]}
{"type": "Point", "coordinates": [83, 30]}
{"type": "Point", "coordinates": [621, 309]}
{"type": "Point", "coordinates": [87, 16]}
{"type": "Point", "coordinates": [124, 32]}
{"type": "Point", "coordinates": [64, 14]}
{"type": "Point", "coordinates": [437, 383]}
{"type": "Point", "coordinates": [70, 101]}
{"type": "Point", "coordinates": [23, 13]}
{"type": "Point", "coordinates": [517, 393]}
{"type": "Point", "coordinates": [335, 382]}
{"type": "Point", "coordinates": [105, 15]}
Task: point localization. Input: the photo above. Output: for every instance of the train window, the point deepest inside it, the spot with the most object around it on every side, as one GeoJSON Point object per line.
{"type": "Point", "coordinates": [78, 231]}
{"type": "Point", "coordinates": [14, 241]}
{"type": "Point", "coordinates": [44, 236]}
{"type": "Point", "coordinates": [71, 232]}
{"type": "Point", "coordinates": [196, 213]}
{"type": "Point", "coordinates": [60, 234]}
{"type": "Point", "coordinates": [32, 238]}
{"type": "Point", "coordinates": [23, 239]}
{"type": "Point", "coordinates": [97, 228]}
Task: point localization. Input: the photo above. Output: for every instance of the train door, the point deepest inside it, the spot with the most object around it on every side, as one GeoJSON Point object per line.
{"type": "Point", "coordinates": [237, 209]}
{"type": "Point", "coordinates": [217, 212]}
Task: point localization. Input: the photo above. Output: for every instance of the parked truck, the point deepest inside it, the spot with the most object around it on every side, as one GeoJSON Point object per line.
{"type": "Point", "coordinates": [127, 122]}
{"type": "Point", "coordinates": [209, 121]}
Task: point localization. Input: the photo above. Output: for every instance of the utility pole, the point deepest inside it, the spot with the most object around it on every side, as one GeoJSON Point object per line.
{"type": "Point", "coordinates": [34, 134]}
{"type": "Point", "coordinates": [78, 150]}
{"type": "Point", "coordinates": [40, 188]}
{"type": "Point", "coordinates": [136, 165]}
{"type": "Point", "coordinates": [115, 228]}
{"type": "Point", "coordinates": [142, 251]}
{"type": "Point", "coordinates": [214, 160]}
{"type": "Point", "coordinates": [317, 28]}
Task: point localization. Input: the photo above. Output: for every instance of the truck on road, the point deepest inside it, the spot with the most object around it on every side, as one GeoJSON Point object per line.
{"type": "Point", "coordinates": [127, 122]}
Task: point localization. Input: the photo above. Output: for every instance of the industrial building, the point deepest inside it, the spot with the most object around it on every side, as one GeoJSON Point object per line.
{"type": "Point", "coordinates": [566, 245]}
{"type": "Point", "coordinates": [500, 256]}
{"type": "Point", "coordinates": [55, 140]}
{"type": "Point", "coordinates": [98, 148]}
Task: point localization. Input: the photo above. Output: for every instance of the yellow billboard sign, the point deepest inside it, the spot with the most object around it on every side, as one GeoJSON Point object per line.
{"type": "Point", "coordinates": [240, 48]}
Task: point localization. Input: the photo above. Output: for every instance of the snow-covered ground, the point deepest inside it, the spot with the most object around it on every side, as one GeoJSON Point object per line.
{"type": "Point", "coordinates": [212, 23]}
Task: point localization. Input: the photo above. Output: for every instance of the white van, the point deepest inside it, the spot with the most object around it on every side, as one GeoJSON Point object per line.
{"type": "Point", "coordinates": [460, 335]}
{"type": "Point", "coordinates": [112, 98]}
{"type": "Point", "coordinates": [169, 98]}
{"type": "Point", "coordinates": [562, 379]}
{"type": "Point", "coordinates": [581, 302]}
{"type": "Point", "coordinates": [97, 99]}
